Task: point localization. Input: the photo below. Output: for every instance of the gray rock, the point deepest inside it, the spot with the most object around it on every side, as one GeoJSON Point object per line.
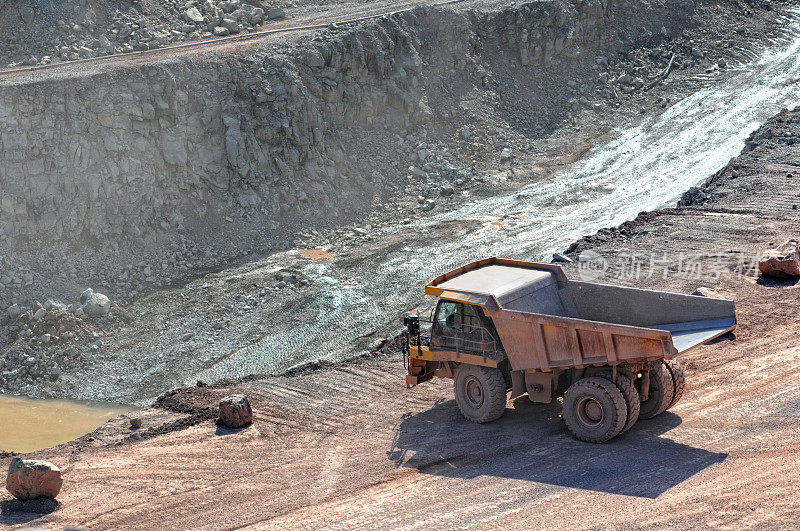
{"type": "Point", "coordinates": [193, 15]}
{"type": "Point", "coordinates": [230, 24]}
{"type": "Point", "coordinates": [256, 16]}
{"type": "Point", "coordinates": [220, 31]}
{"type": "Point", "coordinates": [30, 479]}
{"type": "Point", "coordinates": [447, 190]}
{"type": "Point", "coordinates": [96, 305]}
{"type": "Point", "coordinates": [558, 257]}
{"type": "Point", "coordinates": [276, 13]}
{"type": "Point", "coordinates": [235, 411]}
{"type": "Point", "coordinates": [14, 311]}
{"type": "Point", "coordinates": [505, 155]}
{"type": "Point", "coordinates": [428, 205]}
{"type": "Point", "coordinates": [136, 423]}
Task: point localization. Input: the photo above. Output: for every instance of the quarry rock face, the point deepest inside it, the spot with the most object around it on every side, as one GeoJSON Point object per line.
{"type": "Point", "coordinates": [235, 411]}
{"type": "Point", "coordinates": [30, 479]}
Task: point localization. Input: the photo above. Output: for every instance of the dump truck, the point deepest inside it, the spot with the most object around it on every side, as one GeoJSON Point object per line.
{"type": "Point", "coordinates": [505, 326]}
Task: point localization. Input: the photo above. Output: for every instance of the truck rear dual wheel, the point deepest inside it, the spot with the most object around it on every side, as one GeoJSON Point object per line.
{"type": "Point", "coordinates": [632, 400]}
{"type": "Point", "coordinates": [594, 409]}
{"type": "Point", "coordinates": [678, 380]}
{"type": "Point", "coordinates": [661, 393]}
{"type": "Point", "coordinates": [480, 393]}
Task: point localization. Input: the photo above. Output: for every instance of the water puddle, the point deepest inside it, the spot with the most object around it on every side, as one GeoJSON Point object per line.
{"type": "Point", "coordinates": [29, 425]}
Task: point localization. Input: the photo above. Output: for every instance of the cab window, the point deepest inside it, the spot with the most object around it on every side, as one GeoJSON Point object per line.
{"type": "Point", "coordinates": [447, 315]}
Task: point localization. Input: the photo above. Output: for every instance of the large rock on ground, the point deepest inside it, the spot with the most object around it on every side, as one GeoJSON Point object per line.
{"type": "Point", "coordinates": [780, 263]}
{"type": "Point", "coordinates": [95, 304]}
{"type": "Point", "coordinates": [235, 411]}
{"type": "Point", "coordinates": [30, 479]}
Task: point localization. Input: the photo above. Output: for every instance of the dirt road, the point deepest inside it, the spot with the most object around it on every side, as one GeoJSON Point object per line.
{"type": "Point", "coordinates": [349, 446]}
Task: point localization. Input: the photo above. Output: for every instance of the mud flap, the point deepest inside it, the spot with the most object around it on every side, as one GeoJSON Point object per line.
{"type": "Point", "coordinates": [518, 384]}
{"type": "Point", "coordinates": [539, 386]}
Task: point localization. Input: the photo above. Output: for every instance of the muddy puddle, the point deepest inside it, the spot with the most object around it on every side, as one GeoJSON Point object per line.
{"type": "Point", "coordinates": [29, 425]}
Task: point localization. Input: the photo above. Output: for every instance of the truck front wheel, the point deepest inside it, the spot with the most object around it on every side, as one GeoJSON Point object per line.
{"type": "Point", "coordinates": [480, 393]}
{"type": "Point", "coordinates": [594, 410]}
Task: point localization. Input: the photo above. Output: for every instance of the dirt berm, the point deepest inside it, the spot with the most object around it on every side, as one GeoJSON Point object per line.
{"type": "Point", "coordinates": [348, 445]}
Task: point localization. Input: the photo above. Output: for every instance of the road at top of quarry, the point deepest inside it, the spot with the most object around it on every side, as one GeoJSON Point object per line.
{"type": "Point", "coordinates": [348, 445]}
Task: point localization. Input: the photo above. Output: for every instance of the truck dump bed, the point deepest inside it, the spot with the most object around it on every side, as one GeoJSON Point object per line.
{"type": "Point", "coordinates": [546, 321]}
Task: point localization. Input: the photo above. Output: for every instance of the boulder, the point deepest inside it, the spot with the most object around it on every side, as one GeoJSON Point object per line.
{"type": "Point", "coordinates": [783, 262]}
{"type": "Point", "coordinates": [30, 479]}
{"type": "Point", "coordinates": [95, 304]}
{"type": "Point", "coordinates": [235, 411]}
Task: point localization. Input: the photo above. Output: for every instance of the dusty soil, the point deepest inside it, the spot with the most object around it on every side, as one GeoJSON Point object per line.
{"type": "Point", "coordinates": [349, 445]}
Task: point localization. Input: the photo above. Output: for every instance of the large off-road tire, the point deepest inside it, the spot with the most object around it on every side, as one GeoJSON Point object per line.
{"type": "Point", "coordinates": [633, 402]}
{"type": "Point", "coordinates": [480, 392]}
{"type": "Point", "coordinates": [594, 410]}
{"type": "Point", "coordinates": [661, 392]}
{"type": "Point", "coordinates": [678, 380]}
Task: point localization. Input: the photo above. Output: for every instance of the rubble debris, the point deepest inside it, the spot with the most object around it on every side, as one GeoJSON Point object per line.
{"type": "Point", "coordinates": [30, 479]}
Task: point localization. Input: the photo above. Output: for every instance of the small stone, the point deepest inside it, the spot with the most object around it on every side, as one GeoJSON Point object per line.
{"type": "Point", "coordinates": [235, 411]}
{"type": "Point", "coordinates": [466, 134]}
{"type": "Point", "coordinates": [39, 314]}
{"type": "Point", "coordinates": [187, 336]}
{"type": "Point", "coordinates": [136, 423]}
{"type": "Point", "coordinates": [220, 31]}
{"type": "Point", "coordinates": [560, 258]}
{"type": "Point", "coordinates": [30, 479]}
{"type": "Point", "coordinates": [428, 205]}
{"type": "Point", "coordinates": [505, 155]}
{"type": "Point", "coordinates": [789, 175]}
{"type": "Point", "coordinates": [46, 338]}
{"type": "Point", "coordinates": [707, 292]}
{"type": "Point", "coordinates": [447, 190]}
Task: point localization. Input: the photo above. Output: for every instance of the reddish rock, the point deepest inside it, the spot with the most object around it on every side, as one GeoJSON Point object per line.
{"type": "Point", "coordinates": [779, 263]}
{"type": "Point", "coordinates": [30, 479]}
{"type": "Point", "coordinates": [235, 411]}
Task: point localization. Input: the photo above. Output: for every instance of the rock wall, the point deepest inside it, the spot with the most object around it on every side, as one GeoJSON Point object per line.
{"type": "Point", "coordinates": [105, 173]}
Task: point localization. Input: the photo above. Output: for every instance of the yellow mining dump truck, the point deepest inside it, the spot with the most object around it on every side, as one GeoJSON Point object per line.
{"type": "Point", "coordinates": [505, 326]}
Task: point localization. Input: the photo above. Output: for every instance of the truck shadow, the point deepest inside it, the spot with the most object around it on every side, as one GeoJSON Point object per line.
{"type": "Point", "coordinates": [530, 442]}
